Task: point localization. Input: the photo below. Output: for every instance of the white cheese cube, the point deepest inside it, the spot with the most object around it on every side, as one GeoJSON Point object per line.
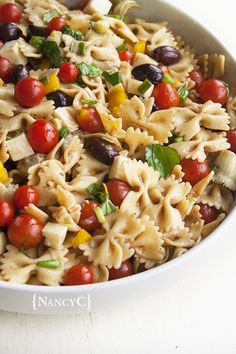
{"type": "Point", "coordinates": [19, 147]}
{"type": "Point", "coordinates": [101, 6]}
{"type": "Point", "coordinates": [54, 234]}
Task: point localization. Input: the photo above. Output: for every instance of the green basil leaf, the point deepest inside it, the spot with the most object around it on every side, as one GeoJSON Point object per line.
{"type": "Point", "coordinates": [93, 189]}
{"type": "Point", "coordinates": [114, 79]}
{"type": "Point", "coordinates": [107, 207]}
{"type": "Point", "coordinates": [51, 50]}
{"type": "Point", "coordinates": [88, 102]}
{"type": "Point", "coordinates": [48, 16]}
{"type": "Point", "coordinates": [91, 70]}
{"type": "Point", "coordinates": [76, 34]}
{"type": "Point", "coordinates": [50, 264]}
{"type": "Point", "coordinates": [37, 41]}
{"type": "Point", "coordinates": [162, 158]}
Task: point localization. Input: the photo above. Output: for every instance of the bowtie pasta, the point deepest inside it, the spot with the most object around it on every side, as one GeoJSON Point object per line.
{"type": "Point", "coordinates": [117, 143]}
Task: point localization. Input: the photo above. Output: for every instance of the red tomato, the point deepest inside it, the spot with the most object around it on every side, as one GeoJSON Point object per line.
{"type": "Point", "coordinates": [25, 195]}
{"type": "Point", "coordinates": [10, 13]}
{"type": "Point", "coordinates": [43, 136]}
{"type": "Point", "coordinates": [89, 120]}
{"type": "Point", "coordinates": [80, 274]}
{"type": "Point", "coordinates": [126, 56]}
{"type": "Point", "coordinates": [118, 190]}
{"type": "Point", "coordinates": [56, 24]}
{"type": "Point", "coordinates": [68, 72]}
{"type": "Point", "coordinates": [213, 90]}
{"type": "Point", "coordinates": [6, 213]}
{"type": "Point", "coordinates": [88, 219]}
{"type": "Point", "coordinates": [197, 77]}
{"type": "Point", "coordinates": [5, 70]}
{"type": "Point", "coordinates": [82, 4]}
{"type": "Point", "coordinates": [166, 96]}
{"type": "Point", "coordinates": [231, 137]}
{"type": "Point", "coordinates": [126, 269]}
{"type": "Point", "coordinates": [209, 213]}
{"type": "Point", "coordinates": [26, 231]}
{"type": "Point", "coordinates": [29, 92]}
{"type": "Point", "coordinates": [194, 171]}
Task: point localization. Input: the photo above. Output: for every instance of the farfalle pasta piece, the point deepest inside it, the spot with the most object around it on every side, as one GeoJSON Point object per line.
{"type": "Point", "coordinates": [111, 246]}
{"type": "Point", "coordinates": [189, 120]}
{"type": "Point", "coordinates": [159, 124]}
{"type": "Point", "coordinates": [7, 190]}
{"type": "Point", "coordinates": [124, 6]}
{"type": "Point", "coordinates": [16, 123]}
{"type": "Point", "coordinates": [226, 172]}
{"type": "Point", "coordinates": [4, 156]}
{"type": "Point", "coordinates": [121, 29]}
{"type": "Point", "coordinates": [63, 217]}
{"type": "Point", "coordinates": [12, 52]}
{"type": "Point", "coordinates": [179, 238]}
{"type": "Point", "coordinates": [203, 143]}
{"type": "Point", "coordinates": [8, 106]}
{"type": "Point", "coordinates": [186, 64]}
{"type": "Point", "coordinates": [72, 153]}
{"type": "Point", "coordinates": [3, 243]}
{"type": "Point", "coordinates": [212, 65]}
{"type": "Point", "coordinates": [231, 109]}
{"type": "Point", "coordinates": [28, 50]}
{"type": "Point", "coordinates": [209, 228]}
{"type": "Point", "coordinates": [219, 197]}
{"type": "Point", "coordinates": [67, 116]}
{"type": "Point", "coordinates": [42, 110]}
{"type": "Point", "coordinates": [70, 202]}
{"type": "Point", "coordinates": [39, 214]}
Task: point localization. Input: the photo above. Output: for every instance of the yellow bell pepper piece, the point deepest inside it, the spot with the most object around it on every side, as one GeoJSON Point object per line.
{"type": "Point", "coordinates": [117, 96]}
{"type": "Point", "coordinates": [82, 237]}
{"type": "Point", "coordinates": [140, 47]}
{"type": "Point", "coordinates": [3, 174]}
{"type": "Point", "coordinates": [1, 82]}
{"type": "Point", "coordinates": [53, 84]}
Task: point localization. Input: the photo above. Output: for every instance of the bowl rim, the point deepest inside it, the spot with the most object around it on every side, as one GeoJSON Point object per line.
{"type": "Point", "coordinates": [131, 280]}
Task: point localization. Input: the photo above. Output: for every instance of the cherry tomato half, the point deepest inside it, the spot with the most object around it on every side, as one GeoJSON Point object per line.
{"type": "Point", "coordinates": [6, 213]}
{"type": "Point", "coordinates": [10, 13]}
{"type": "Point", "coordinates": [5, 70]}
{"type": "Point", "coordinates": [56, 24]}
{"type": "Point", "coordinates": [80, 274]}
{"type": "Point", "coordinates": [166, 96]}
{"type": "Point", "coordinates": [25, 195]}
{"type": "Point", "coordinates": [209, 213]}
{"type": "Point", "coordinates": [118, 190]}
{"type": "Point", "coordinates": [231, 137]}
{"type": "Point", "coordinates": [25, 230]}
{"type": "Point", "coordinates": [194, 171]}
{"type": "Point", "coordinates": [68, 72]}
{"type": "Point", "coordinates": [213, 90]}
{"type": "Point", "coordinates": [126, 56]}
{"type": "Point", "coordinates": [29, 92]}
{"type": "Point", "coordinates": [89, 120]}
{"type": "Point", "coordinates": [198, 78]}
{"type": "Point", "coordinates": [88, 219]}
{"type": "Point", "coordinates": [126, 269]}
{"type": "Point", "coordinates": [43, 136]}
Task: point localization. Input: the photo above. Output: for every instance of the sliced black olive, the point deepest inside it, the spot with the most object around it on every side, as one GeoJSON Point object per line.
{"type": "Point", "coordinates": [167, 55]}
{"type": "Point", "coordinates": [19, 72]}
{"type": "Point", "coordinates": [102, 149]}
{"type": "Point", "coordinates": [148, 71]}
{"type": "Point", "coordinates": [60, 99]}
{"type": "Point", "coordinates": [37, 31]}
{"type": "Point", "coordinates": [9, 32]}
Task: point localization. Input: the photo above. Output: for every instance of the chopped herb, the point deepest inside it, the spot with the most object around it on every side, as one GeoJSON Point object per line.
{"type": "Point", "coordinates": [114, 79]}
{"type": "Point", "coordinates": [100, 215]}
{"type": "Point", "coordinates": [37, 42]}
{"type": "Point", "coordinates": [48, 16]}
{"type": "Point", "coordinates": [175, 139]}
{"type": "Point", "coordinates": [63, 132]}
{"type": "Point", "coordinates": [162, 158]}
{"type": "Point", "coordinates": [91, 70]}
{"type": "Point", "coordinates": [22, 250]}
{"type": "Point", "coordinates": [51, 50]}
{"type": "Point", "coordinates": [76, 34]}
{"type": "Point", "coordinates": [144, 87]}
{"type": "Point", "coordinates": [121, 47]}
{"type": "Point", "coordinates": [44, 80]}
{"type": "Point", "coordinates": [183, 92]}
{"type": "Point", "coordinates": [88, 102]}
{"type": "Point", "coordinates": [106, 205]}
{"type": "Point", "coordinates": [168, 79]}
{"type": "Point", "coordinates": [81, 50]}
{"type": "Point", "coordinates": [178, 139]}
{"type": "Point", "coordinates": [79, 82]}
{"type": "Point", "coordinates": [215, 169]}
{"type": "Point", "coordinates": [118, 17]}
{"type": "Point", "coordinates": [49, 264]}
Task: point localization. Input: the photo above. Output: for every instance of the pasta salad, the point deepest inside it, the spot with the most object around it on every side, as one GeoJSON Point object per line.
{"type": "Point", "coordinates": [117, 143]}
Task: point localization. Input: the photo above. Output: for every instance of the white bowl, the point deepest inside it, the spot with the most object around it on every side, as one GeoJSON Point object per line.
{"type": "Point", "coordinates": [65, 300]}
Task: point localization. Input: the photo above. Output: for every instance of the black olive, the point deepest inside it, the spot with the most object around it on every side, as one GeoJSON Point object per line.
{"type": "Point", "coordinates": [37, 31]}
{"type": "Point", "coordinates": [60, 99]}
{"type": "Point", "coordinates": [19, 72]}
{"type": "Point", "coordinates": [148, 71]}
{"type": "Point", "coordinates": [9, 32]}
{"type": "Point", "coordinates": [101, 149]}
{"type": "Point", "coordinates": [167, 55]}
